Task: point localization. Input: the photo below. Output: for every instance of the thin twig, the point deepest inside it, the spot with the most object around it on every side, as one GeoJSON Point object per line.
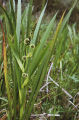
{"type": "Point", "coordinates": [45, 114]}
{"type": "Point", "coordinates": [47, 90]}
{"type": "Point", "coordinates": [76, 107]}
{"type": "Point", "coordinates": [41, 89]}
{"type": "Point", "coordinates": [70, 96]}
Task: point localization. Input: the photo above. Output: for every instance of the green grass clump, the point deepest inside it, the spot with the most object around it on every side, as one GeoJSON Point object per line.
{"type": "Point", "coordinates": [27, 57]}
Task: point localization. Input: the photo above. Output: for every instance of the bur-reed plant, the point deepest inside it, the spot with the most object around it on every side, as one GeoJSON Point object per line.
{"type": "Point", "coordinates": [25, 59]}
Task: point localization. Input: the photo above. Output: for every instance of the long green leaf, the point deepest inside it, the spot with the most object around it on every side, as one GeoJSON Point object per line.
{"type": "Point", "coordinates": [6, 71]}
{"type": "Point", "coordinates": [36, 57]}
{"type": "Point", "coordinates": [13, 13]}
{"type": "Point", "coordinates": [33, 41]}
{"type": "Point", "coordinates": [29, 18]}
{"type": "Point", "coordinates": [18, 25]}
{"type": "Point", "coordinates": [36, 85]}
{"type": "Point", "coordinates": [15, 53]}
{"type": "Point", "coordinates": [9, 19]}
{"type": "Point", "coordinates": [67, 16]}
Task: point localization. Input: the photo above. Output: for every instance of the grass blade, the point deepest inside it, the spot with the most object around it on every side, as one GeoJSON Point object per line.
{"type": "Point", "coordinates": [29, 17]}
{"type": "Point", "coordinates": [67, 16]}
{"type": "Point", "coordinates": [18, 25]}
{"type": "Point", "coordinates": [36, 85]}
{"type": "Point", "coordinates": [6, 72]}
{"type": "Point", "coordinates": [36, 57]}
{"type": "Point", "coordinates": [9, 20]}
{"type": "Point", "coordinates": [15, 53]}
{"type": "Point", "coordinates": [33, 41]}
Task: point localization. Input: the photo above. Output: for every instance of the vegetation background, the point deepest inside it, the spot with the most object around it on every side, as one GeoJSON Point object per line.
{"type": "Point", "coordinates": [39, 60]}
